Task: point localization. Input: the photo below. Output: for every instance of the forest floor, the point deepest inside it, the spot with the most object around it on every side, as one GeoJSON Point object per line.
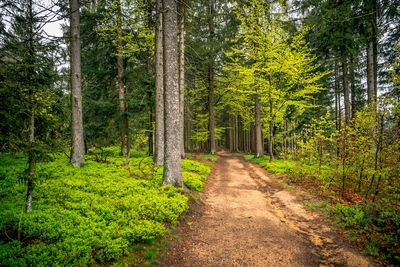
{"type": "Point", "coordinates": [245, 218]}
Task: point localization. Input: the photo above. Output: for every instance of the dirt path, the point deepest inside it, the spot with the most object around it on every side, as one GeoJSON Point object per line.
{"type": "Point", "coordinates": [250, 220]}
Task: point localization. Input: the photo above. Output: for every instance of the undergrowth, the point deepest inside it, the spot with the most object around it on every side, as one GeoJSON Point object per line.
{"type": "Point", "coordinates": [91, 215]}
{"type": "Point", "coordinates": [370, 224]}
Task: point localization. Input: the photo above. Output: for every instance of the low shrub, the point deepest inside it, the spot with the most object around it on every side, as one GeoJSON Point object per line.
{"type": "Point", "coordinates": [376, 224]}
{"type": "Point", "coordinates": [90, 215]}
{"type": "Point", "coordinates": [194, 181]}
{"type": "Point", "coordinates": [195, 166]}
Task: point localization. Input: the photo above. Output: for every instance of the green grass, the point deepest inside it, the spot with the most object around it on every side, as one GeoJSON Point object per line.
{"type": "Point", "coordinates": [90, 215]}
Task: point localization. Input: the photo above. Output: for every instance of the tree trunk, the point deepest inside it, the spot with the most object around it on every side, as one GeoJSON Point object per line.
{"type": "Point", "coordinates": [149, 56]}
{"type": "Point", "coordinates": [346, 89]}
{"type": "Point", "coordinates": [353, 88]}
{"type": "Point", "coordinates": [337, 99]}
{"type": "Point", "coordinates": [372, 51]}
{"type": "Point", "coordinates": [259, 141]}
{"type": "Point", "coordinates": [172, 160]}
{"type": "Point", "coordinates": [182, 76]}
{"type": "Point", "coordinates": [159, 89]}
{"type": "Point", "coordinates": [211, 77]}
{"type": "Point", "coordinates": [370, 72]}
{"type": "Point", "coordinates": [31, 162]}
{"type": "Point", "coordinates": [121, 85]}
{"type": "Point", "coordinates": [271, 132]}
{"type": "Point", "coordinates": [188, 128]}
{"type": "Point", "coordinates": [77, 145]}
{"type": "Point", "coordinates": [253, 138]}
{"type": "Point", "coordinates": [31, 137]}
{"type": "Point", "coordinates": [236, 134]}
{"type": "Point", "coordinates": [231, 133]}
{"type": "Point", "coordinates": [150, 142]}
{"type": "Point", "coordinates": [284, 134]}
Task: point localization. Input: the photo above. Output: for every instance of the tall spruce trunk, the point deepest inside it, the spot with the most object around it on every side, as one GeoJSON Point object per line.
{"type": "Point", "coordinates": [159, 89]}
{"type": "Point", "coordinates": [182, 76]}
{"type": "Point", "coordinates": [77, 144]}
{"type": "Point", "coordinates": [353, 88]}
{"type": "Point", "coordinates": [346, 91]}
{"type": "Point", "coordinates": [121, 86]}
{"type": "Point", "coordinates": [149, 61]}
{"type": "Point", "coordinates": [188, 128]}
{"type": "Point", "coordinates": [371, 70]}
{"type": "Point", "coordinates": [259, 141]}
{"type": "Point", "coordinates": [337, 99]}
{"type": "Point", "coordinates": [172, 160]}
{"type": "Point", "coordinates": [372, 51]}
{"type": "Point", "coordinates": [211, 77]}
{"type": "Point", "coordinates": [31, 137]}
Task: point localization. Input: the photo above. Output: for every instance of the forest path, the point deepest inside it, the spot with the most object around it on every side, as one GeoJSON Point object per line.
{"type": "Point", "coordinates": [249, 220]}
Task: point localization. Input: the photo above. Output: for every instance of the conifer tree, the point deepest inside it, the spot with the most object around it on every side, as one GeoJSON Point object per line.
{"type": "Point", "coordinates": [29, 121]}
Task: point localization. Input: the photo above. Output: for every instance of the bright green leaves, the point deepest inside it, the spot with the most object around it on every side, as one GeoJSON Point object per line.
{"type": "Point", "coordinates": [89, 215]}
{"type": "Point", "coordinates": [278, 66]}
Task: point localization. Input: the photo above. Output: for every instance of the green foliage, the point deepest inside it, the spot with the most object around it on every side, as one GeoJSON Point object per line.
{"type": "Point", "coordinates": [99, 73]}
{"type": "Point", "coordinates": [127, 21]}
{"type": "Point", "coordinates": [370, 221]}
{"type": "Point", "coordinates": [271, 64]}
{"type": "Point", "coordinates": [195, 166]}
{"type": "Point", "coordinates": [194, 181]}
{"type": "Point", "coordinates": [319, 143]}
{"type": "Point", "coordinates": [394, 72]}
{"type": "Point", "coordinates": [358, 169]}
{"type": "Point", "coordinates": [209, 157]}
{"type": "Point", "coordinates": [90, 215]}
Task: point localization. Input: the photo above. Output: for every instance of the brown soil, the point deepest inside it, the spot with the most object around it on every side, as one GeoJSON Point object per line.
{"type": "Point", "coordinates": [248, 219]}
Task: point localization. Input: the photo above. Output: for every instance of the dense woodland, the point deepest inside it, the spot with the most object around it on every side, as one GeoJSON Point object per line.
{"type": "Point", "coordinates": [308, 88]}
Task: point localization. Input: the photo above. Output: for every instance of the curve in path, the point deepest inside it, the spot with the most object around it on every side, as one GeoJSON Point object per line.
{"type": "Point", "coordinates": [250, 220]}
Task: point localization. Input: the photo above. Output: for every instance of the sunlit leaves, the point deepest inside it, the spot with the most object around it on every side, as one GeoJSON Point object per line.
{"type": "Point", "coordinates": [272, 63]}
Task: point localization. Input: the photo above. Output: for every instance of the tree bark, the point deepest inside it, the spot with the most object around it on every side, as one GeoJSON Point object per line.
{"type": "Point", "coordinates": [151, 138]}
{"type": "Point", "coordinates": [188, 128]}
{"type": "Point", "coordinates": [159, 89]}
{"type": "Point", "coordinates": [211, 76]}
{"type": "Point", "coordinates": [121, 85]}
{"type": "Point", "coordinates": [336, 98]}
{"type": "Point", "coordinates": [182, 76]}
{"type": "Point", "coordinates": [346, 88]}
{"type": "Point", "coordinates": [231, 133]}
{"type": "Point", "coordinates": [370, 70]}
{"type": "Point", "coordinates": [236, 134]}
{"type": "Point", "coordinates": [372, 51]}
{"type": "Point", "coordinates": [353, 88]}
{"type": "Point", "coordinates": [172, 160]}
{"type": "Point", "coordinates": [253, 138]}
{"type": "Point", "coordinates": [31, 162]}
{"type": "Point", "coordinates": [259, 141]}
{"type": "Point", "coordinates": [31, 137]}
{"type": "Point", "coordinates": [77, 145]}
{"type": "Point", "coordinates": [149, 11]}
{"type": "Point", "coordinates": [271, 130]}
